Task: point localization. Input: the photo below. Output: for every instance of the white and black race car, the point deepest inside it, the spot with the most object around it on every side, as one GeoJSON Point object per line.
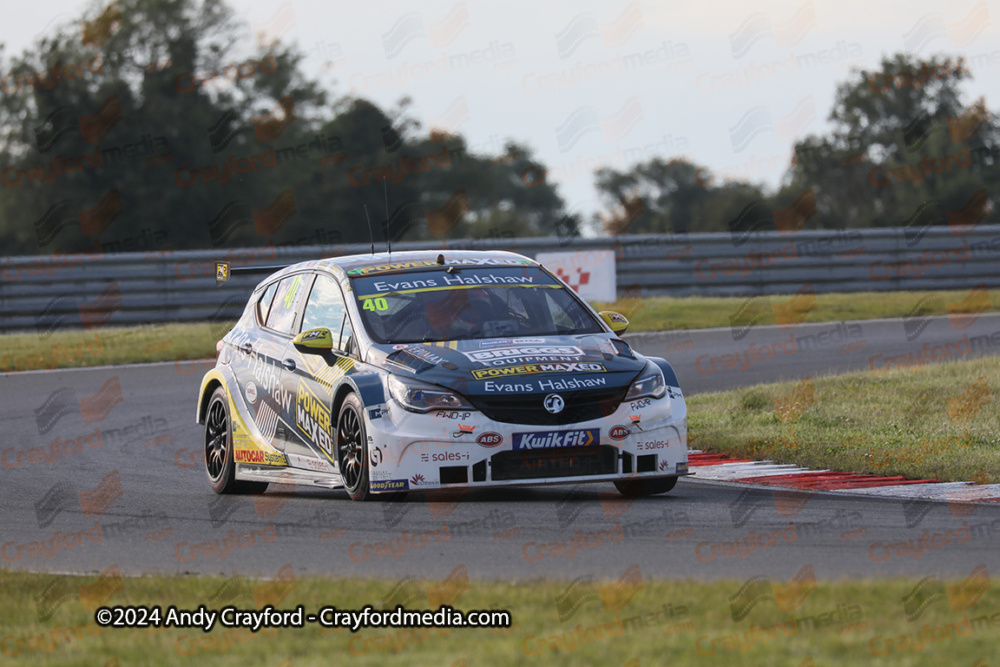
{"type": "Point", "coordinates": [432, 370]}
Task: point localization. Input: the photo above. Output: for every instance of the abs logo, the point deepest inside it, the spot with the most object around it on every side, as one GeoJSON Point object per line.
{"type": "Point", "coordinates": [619, 432]}
{"type": "Point", "coordinates": [489, 439]}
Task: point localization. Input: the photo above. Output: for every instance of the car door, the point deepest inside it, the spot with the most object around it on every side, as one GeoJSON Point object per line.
{"type": "Point", "coordinates": [275, 405]}
{"type": "Point", "coordinates": [315, 376]}
{"type": "Point", "coordinates": [247, 343]}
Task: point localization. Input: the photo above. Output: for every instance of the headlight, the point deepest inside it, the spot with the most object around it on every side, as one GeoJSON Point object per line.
{"type": "Point", "coordinates": [419, 396]}
{"type": "Point", "coordinates": [649, 383]}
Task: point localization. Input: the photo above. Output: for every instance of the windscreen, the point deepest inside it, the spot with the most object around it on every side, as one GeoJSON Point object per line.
{"type": "Point", "coordinates": [468, 303]}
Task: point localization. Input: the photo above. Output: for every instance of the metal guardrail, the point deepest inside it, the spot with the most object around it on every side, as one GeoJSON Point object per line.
{"type": "Point", "coordinates": [49, 292]}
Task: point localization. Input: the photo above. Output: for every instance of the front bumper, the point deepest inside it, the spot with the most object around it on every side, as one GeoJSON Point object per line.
{"type": "Point", "coordinates": [461, 449]}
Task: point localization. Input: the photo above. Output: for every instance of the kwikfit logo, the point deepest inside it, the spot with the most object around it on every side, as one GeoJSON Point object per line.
{"type": "Point", "coordinates": [551, 439]}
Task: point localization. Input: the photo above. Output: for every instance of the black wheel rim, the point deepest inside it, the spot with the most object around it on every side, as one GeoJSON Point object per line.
{"type": "Point", "coordinates": [216, 439]}
{"type": "Point", "coordinates": [352, 460]}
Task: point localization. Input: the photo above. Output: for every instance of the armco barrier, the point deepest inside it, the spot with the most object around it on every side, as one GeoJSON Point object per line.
{"type": "Point", "coordinates": [45, 293]}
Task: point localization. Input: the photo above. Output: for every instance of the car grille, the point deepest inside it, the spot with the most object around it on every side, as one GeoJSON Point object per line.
{"type": "Point", "coordinates": [557, 462]}
{"type": "Point", "coordinates": [528, 409]}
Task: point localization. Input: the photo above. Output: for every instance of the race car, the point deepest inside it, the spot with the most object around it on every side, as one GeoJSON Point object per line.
{"type": "Point", "coordinates": [386, 373]}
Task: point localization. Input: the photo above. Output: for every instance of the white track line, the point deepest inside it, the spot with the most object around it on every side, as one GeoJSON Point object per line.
{"type": "Point", "coordinates": [742, 470]}
{"type": "Point", "coordinates": [940, 491]}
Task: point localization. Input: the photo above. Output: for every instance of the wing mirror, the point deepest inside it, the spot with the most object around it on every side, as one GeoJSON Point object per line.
{"type": "Point", "coordinates": [617, 321]}
{"type": "Point", "coordinates": [314, 340]}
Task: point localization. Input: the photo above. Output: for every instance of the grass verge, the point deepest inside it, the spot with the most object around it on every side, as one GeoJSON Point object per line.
{"type": "Point", "coordinates": [110, 345]}
{"type": "Point", "coordinates": [169, 342]}
{"type": "Point", "coordinates": [939, 421]}
{"type": "Point", "coordinates": [696, 312]}
{"type": "Point", "coordinates": [44, 621]}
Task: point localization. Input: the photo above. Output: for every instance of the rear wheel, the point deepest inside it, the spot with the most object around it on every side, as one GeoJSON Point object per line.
{"type": "Point", "coordinates": [219, 464]}
{"type": "Point", "coordinates": [634, 488]}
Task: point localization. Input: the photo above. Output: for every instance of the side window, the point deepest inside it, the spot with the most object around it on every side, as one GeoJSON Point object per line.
{"type": "Point", "coordinates": [325, 307]}
{"type": "Point", "coordinates": [286, 300]}
{"type": "Point", "coordinates": [347, 343]}
{"type": "Point", "coordinates": [264, 303]}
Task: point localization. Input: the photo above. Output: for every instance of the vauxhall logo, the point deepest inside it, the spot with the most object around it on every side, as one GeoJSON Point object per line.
{"type": "Point", "coordinates": [554, 403]}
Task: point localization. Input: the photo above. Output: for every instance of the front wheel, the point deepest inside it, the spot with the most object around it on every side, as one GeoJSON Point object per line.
{"type": "Point", "coordinates": [352, 448]}
{"type": "Point", "coordinates": [634, 488]}
{"type": "Point", "coordinates": [219, 464]}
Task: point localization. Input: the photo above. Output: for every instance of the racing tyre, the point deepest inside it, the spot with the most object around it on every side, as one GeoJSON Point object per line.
{"type": "Point", "coordinates": [634, 488]}
{"type": "Point", "coordinates": [352, 448]}
{"type": "Point", "coordinates": [219, 464]}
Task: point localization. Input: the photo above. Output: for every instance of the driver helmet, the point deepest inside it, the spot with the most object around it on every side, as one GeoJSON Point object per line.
{"type": "Point", "coordinates": [472, 308]}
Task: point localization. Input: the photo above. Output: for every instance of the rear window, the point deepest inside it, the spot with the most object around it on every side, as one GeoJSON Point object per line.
{"type": "Point", "coordinates": [468, 303]}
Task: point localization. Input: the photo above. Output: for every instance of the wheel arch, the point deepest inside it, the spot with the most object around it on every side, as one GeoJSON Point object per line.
{"type": "Point", "coordinates": [212, 381]}
{"type": "Point", "coordinates": [338, 398]}
{"type": "Point", "coordinates": [368, 387]}
{"type": "Point", "coordinates": [668, 371]}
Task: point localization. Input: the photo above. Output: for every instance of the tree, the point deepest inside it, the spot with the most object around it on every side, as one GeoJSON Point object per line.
{"type": "Point", "coordinates": [675, 196]}
{"type": "Point", "coordinates": [163, 123]}
{"type": "Point", "coordinates": [903, 149]}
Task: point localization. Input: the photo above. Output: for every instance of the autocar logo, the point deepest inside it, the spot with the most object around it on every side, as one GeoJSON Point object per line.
{"type": "Point", "coordinates": [489, 439]}
{"type": "Point", "coordinates": [619, 432]}
{"type": "Point", "coordinates": [554, 403]}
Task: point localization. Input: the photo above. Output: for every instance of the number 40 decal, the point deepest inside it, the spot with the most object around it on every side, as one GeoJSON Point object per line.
{"type": "Point", "coordinates": [378, 303]}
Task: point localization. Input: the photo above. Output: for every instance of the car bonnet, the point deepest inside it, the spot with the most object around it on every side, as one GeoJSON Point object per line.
{"type": "Point", "coordinates": [515, 365]}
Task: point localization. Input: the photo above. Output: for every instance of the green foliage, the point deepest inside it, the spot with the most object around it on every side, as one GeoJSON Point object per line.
{"type": "Point", "coordinates": [669, 196]}
{"type": "Point", "coordinates": [662, 621]}
{"type": "Point", "coordinates": [886, 160]}
{"type": "Point", "coordinates": [180, 100]}
{"type": "Point", "coordinates": [903, 150]}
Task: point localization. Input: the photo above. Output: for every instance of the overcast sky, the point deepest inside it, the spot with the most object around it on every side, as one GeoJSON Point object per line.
{"type": "Point", "coordinates": [588, 84]}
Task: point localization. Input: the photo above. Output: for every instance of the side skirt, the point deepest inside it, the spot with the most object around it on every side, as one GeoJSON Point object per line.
{"type": "Point", "coordinates": [254, 473]}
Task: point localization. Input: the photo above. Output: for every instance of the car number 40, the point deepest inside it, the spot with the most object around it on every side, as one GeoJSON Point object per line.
{"type": "Point", "coordinates": [378, 303]}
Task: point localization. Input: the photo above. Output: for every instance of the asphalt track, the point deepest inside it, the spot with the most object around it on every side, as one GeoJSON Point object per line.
{"type": "Point", "coordinates": [138, 499]}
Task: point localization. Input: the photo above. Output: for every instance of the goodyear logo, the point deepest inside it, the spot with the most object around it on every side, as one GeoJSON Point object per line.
{"type": "Point", "coordinates": [390, 485]}
{"type": "Point", "coordinates": [312, 417]}
{"type": "Point", "coordinates": [532, 369]}
{"type": "Point", "coordinates": [259, 457]}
